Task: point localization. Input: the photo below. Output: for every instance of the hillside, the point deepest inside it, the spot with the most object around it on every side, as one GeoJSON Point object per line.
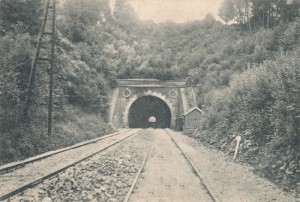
{"type": "Point", "coordinates": [246, 76]}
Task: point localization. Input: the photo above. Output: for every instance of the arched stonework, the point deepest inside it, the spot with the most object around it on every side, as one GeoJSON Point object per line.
{"type": "Point", "coordinates": [147, 93]}
{"type": "Point", "coordinates": [128, 91]}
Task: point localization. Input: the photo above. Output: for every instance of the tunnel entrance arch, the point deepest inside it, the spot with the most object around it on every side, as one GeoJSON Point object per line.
{"type": "Point", "coordinates": [174, 94]}
{"type": "Point", "coordinates": [149, 106]}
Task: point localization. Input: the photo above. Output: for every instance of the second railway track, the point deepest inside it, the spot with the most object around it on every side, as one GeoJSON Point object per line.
{"type": "Point", "coordinates": [31, 174]}
{"type": "Point", "coordinates": [149, 167]}
{"type": "Point", "coordinates": [14, 166]}
{"type": "Point", "coordinates": [195, 170]}
{"type": "Point", "coordinates": [155, 165]}
{"type": "Point", "coordinates": [169, 181]}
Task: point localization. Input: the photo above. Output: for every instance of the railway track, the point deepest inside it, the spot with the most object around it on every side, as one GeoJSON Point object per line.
{"type": "Point", "coordinates": [188, 160]}
{"type": "Point", "coordinates": [137, 176]}
{"type": "Point", "coordinates": [15, 166]}
{"type": "Point", "coordinates": [143, 145]}
{"type": "Point", "coordinates": [17, 178]}
{"type": "Point", "coordinates": [194, 169]}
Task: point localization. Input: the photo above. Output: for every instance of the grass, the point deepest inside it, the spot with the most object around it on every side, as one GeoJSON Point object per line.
{"type": "Point", "coordinates": [71, 126]}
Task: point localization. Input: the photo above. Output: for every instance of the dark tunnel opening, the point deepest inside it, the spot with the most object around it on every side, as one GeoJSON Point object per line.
{"type": "Point", "coordinates": [148, 106]}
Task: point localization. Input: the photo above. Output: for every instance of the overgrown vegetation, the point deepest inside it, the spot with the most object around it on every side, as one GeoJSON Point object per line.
{"type": "Point", "coordinates": [246, 75]}
{"type": "Point", "coordinates": [80, 89]}
{"type": "Point", "coordinates": [260, 104]}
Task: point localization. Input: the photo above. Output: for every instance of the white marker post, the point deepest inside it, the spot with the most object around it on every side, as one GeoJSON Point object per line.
{"type": "Point", "coordinates": [238, 140]}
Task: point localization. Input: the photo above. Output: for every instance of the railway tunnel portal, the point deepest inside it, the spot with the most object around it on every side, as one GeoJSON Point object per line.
{"type": "Point", "coordinates": [149, 106]}
{"type": "Point", "coordinates": [134, 101]}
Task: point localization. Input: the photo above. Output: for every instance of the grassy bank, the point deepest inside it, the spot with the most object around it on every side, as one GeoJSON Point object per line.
{"type": "Point", "coordinates": [71, 125]}
{"type": "Point", "coordinates": [262, 106]}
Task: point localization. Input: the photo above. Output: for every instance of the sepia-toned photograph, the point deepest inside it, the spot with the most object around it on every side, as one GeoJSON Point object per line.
{"type": "Point", "coordinates": [150, 100]}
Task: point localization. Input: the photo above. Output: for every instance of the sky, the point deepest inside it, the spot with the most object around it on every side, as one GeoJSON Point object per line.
{"type": "Point", "coordinates": [178, 11]}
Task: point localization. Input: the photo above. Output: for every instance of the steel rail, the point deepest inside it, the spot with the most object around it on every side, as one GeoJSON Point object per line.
{"type": "Point", "coordinates": [195, 170]}
{"type": "Point", "coordinates": [129, 193]}
{"type": "Point", "coordinates": [14, 167]}
{"type": "Point", "coordinates": [41, 179]}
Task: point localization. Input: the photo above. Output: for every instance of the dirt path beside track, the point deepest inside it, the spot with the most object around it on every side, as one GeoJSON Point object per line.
{"type": "Point", "coordinates": [166, 175]}
{"type": "Point", "coordinates": [231, 182]}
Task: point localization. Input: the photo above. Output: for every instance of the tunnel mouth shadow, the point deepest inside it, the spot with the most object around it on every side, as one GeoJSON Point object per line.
{"type": "Point", "coordinates": [149, 106]}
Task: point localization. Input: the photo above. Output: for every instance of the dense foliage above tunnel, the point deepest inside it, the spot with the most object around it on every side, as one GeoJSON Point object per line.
{"type": "Point", "coordinates": [245, 73]}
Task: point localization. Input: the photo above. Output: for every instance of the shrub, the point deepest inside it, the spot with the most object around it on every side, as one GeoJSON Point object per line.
{"type": "Point", "coordinates": [261, 104]}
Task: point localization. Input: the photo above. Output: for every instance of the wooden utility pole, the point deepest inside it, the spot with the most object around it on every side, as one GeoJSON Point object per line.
{"type": "Point", "coordinates": [50, 103]}
{"type": "Point", "coordinates": [48, 29]}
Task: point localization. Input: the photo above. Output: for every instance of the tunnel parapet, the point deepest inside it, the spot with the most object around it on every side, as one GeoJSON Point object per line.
{"type": "Point", "coordinates": [137, 96]}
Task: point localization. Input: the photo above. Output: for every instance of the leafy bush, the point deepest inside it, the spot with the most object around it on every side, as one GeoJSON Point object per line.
{"type": "Point", "coordinates": [262, 105]}
{"type": "Point", "coordinates": [263, 100]}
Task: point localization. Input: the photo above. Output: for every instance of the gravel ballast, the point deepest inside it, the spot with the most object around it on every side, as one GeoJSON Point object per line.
{"type": "Point", "coordinates": [166, 176]}
{"type": "Point", "coordinates": [106, 176]}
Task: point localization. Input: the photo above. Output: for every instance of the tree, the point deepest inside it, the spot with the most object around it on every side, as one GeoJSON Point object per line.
{"type": "Point", "coordinates": [227, 11]}
{"type": "Point", "coordinates": [236, 10]}
{"type": "Point", "coordinates": [21, 16]}
{"type": "Point", "coordinates": [79, 15]}
{"type": "Point", "coordinates": [125, 15]}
